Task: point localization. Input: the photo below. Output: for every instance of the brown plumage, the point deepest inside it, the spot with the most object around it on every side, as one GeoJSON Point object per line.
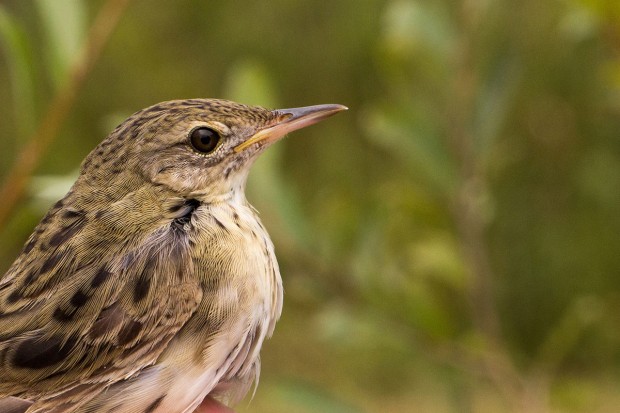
{"type": "Point", "coordinates": [152, 284]}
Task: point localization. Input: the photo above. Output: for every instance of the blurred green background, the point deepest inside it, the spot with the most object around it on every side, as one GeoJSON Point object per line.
{"type": "Point", "coordinates": [449, 244]}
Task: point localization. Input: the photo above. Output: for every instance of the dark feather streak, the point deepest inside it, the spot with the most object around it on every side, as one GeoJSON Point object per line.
{"type": "Point", "coordinates": [66, 233]}
{"type": "Point", "coordinates": [64, 315]}
{"type": "Point", "coordinates": [107, 321]}
{"type": "Point", "coordinates": [129, 332]}
{"type": "Point", "coordinates": [39, 353]}
{"type": "Point", "coordinates": [184, 212]}
{"type": "Point", "coordinates": [14, 297]}
{"type": "Point", "coordinates": [71, 213]}
{"type": "Point", "coordinates": [31, 244]}
{"type": "Point", "coordinates": [100, 277]}
{"type": "Point", "coordinates": [151, 407]}
{"type": "Point", "coordinates": [79, 299]}
{"type": "Point", "coordinates": [143, 285]}
{"type": "Point", "coordinates": [50, 263]}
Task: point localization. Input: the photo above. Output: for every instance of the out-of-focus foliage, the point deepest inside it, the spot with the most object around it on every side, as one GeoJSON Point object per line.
{"type": "Point", "coordinates": [450, 244]}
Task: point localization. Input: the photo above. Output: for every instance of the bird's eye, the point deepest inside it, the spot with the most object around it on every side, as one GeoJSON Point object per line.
{"type": "Point", "coordinates": [204, 140]}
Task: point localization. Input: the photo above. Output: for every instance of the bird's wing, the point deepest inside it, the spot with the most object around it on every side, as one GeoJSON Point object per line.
{"type": "Point", "coordinates": [79, 311]}
{"type": "Point", "coordinates": [14, 405]}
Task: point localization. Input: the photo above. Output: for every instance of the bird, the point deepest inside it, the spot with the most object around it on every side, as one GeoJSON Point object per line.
{"type": "Point", "coordinates": [153, 283]}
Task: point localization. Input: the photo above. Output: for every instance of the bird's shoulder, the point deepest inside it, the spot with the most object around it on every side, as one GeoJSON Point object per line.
{"type": "Point", "coordinates": [83, 303]}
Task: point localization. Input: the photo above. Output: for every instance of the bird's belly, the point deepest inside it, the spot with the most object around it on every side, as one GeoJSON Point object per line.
{"type": "Point", "coordinates": [225, 368]}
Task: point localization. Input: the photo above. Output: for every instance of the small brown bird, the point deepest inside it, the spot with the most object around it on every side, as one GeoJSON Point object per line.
{"type": "Point", "coordinates": [152, 284]}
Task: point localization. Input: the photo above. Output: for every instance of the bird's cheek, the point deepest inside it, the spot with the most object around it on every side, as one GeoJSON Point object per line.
{"type": "Point", "coordinates": [174, 179]}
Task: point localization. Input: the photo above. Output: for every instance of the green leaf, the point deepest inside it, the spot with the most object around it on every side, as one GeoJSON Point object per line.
{"type": "Point", "coordinates": [249, 82]}
{"type": "Point", "coordinates": [411, 137]}
{"type": "Point", "coordinates": [19, 60]}
{"type": "Point", "coordinates": [47, 189]}
{"type": "Point", "coordinates": [494, 105]}
{"type": "Point", "coordinates": [410, 27]}
{"type": "Point", "coordinates": [64, 22]}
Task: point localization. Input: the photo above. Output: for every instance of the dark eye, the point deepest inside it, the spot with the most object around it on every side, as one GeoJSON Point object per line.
{"type": "Point", "coordinates": [204, 140]}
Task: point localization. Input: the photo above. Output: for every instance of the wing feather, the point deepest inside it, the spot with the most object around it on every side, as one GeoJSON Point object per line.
{"type": "Point", "coordinates": [72, 323]}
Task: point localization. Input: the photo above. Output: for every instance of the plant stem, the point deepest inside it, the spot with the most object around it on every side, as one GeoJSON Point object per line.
{"type": "Point", "coordinates": [59, 108]}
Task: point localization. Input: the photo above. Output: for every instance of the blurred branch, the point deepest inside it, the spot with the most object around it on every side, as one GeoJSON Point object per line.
{"type": "Point", "coordinates": [60, 107]}
{"type": "Point", "coordinates": [580, 315]}
{"type": "Point", "coordinates": [495, 361]}
{"type": "Point", "coordinates": [467, 212]}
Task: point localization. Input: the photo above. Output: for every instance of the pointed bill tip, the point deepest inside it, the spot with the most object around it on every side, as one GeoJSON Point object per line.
{"type": "Point", "coordinates": [316, 110]}
{"type": "Point", "coordinates": [290, 120]}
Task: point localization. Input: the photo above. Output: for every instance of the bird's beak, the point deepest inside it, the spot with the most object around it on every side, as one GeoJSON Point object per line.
{"type": "Point", "coordinates": [289, 120]}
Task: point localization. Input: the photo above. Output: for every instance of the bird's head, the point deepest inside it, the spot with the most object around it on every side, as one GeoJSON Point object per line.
{"type": "Point", "coordinates": [197, 148]}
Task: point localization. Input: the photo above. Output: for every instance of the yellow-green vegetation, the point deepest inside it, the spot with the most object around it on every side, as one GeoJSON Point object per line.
{"type": "Point", "coordinates": [449, 244]}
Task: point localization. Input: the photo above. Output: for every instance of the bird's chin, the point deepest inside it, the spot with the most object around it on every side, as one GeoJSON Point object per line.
{"type": "Point", "coordinates": [232, 190]}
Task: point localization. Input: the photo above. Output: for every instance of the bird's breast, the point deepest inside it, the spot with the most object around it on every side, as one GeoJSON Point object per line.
{"type": "Point", "coordinates": [235, 258]}
{"type": "Point", "coordinates": [242, 290]}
